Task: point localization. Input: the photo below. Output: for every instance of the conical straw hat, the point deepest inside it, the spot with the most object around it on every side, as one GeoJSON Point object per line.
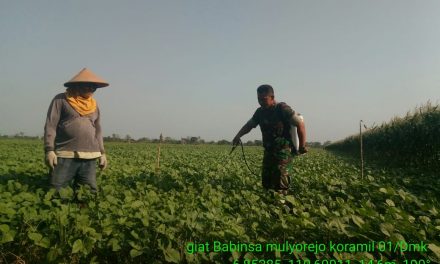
{"type": "Point", "coordinates": [87, 76]}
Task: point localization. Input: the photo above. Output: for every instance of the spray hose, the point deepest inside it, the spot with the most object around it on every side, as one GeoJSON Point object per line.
{"type": "Point", "coordinates": [244, 156]}
{"type": "Point", "coordinates": [294, 154]}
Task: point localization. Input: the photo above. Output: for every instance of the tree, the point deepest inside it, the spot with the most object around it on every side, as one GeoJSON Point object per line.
{"type": "Point", "coordinates": [194, 140]}
{"type": "Point", "coordinates": [249, 143]}
{"type": "Point", "coordinates": [223, 142]}
{"type": "Point", "coordinates": [144, 139]}
{"type": "Point", "coordinates": [19, 134]}
{"type": "Point", "coordinates": [314, 144]}
{"type": "Point", "coordinates": [328, 142]}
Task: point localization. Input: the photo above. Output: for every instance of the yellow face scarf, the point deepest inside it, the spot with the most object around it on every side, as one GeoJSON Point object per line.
{"type": "Point", "coordinates": [83, 106]}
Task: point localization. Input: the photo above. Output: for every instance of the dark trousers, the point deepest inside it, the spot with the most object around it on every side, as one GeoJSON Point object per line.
{"type": "Point", "coordinates": [82, 171]}
{"type": "Point", "coordinates": [276, 167]}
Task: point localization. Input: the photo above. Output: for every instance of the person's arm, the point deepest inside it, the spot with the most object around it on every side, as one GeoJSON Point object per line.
{"type": "Point", "coordinates": [103, 159]}
{"type": "Point", "coordinates": [252, 123]}
{"type": "Point", "coordinates": [98, 132]}
{"type": "Point", "coordinates": [50, 128]}
{"type": "Point", "coordinates": [301, 130]}
{"type": "Point", "coordinates": [243, 131]}
{"type": "Point", "coordinates": [50, 132]}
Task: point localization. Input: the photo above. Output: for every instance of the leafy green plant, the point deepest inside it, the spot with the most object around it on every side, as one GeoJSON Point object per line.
{"type": "Point", "coordinates": [203, 195]}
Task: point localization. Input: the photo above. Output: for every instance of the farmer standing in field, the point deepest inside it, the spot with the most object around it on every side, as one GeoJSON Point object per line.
{"type": "Point", "coordinates": [72, 134]}
{"type": "Point", "coordinates": [275, 120]}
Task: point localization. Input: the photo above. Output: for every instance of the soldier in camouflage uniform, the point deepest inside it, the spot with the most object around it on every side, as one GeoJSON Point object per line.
{"type": "Point", "coordinates": [275, 120]}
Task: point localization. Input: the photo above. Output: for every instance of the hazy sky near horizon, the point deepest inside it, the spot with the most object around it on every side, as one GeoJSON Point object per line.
{"type": "Point", "coordinates": [191, 68]}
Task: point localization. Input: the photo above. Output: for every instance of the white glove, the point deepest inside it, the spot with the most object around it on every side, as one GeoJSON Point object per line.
{"type": "Point", "coordinates": [51, 159]}
{"type": "Point", "coordinates": [103, 162]}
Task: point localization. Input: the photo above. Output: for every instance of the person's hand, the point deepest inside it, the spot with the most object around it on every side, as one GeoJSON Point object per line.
{"type": "Point", "coordinates": [294, 151]}
{"type": "Point", "coordinates": [302, 150]}
{"type": "Point", "coordinates": [51, 159]}
{"type": "Point", "coordinates": [103, 162]}
{"type": "Point", "coordinates": [236, 141]}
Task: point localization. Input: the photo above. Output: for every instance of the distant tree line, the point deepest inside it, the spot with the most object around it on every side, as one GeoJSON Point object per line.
{"type": "Point", "coordinates": [20, 135]}
{"type": "Point", "coordinates": [191, 140]}
{"type": "Point", "coordinates": [168, 140]}
{"type": "Point", "coordinates": [318, 144]}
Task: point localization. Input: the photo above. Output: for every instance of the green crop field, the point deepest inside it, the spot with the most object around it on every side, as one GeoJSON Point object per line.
{"type": "Point", "coordinates": [201, 195]}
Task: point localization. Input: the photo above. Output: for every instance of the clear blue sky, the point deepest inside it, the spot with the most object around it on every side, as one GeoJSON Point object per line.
{"type": "Point", "coordinates": [191, 68]}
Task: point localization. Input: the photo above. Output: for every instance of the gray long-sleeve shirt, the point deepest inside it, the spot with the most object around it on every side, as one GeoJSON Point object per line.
{"type": "Point", "coordinates": [67, 130]}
